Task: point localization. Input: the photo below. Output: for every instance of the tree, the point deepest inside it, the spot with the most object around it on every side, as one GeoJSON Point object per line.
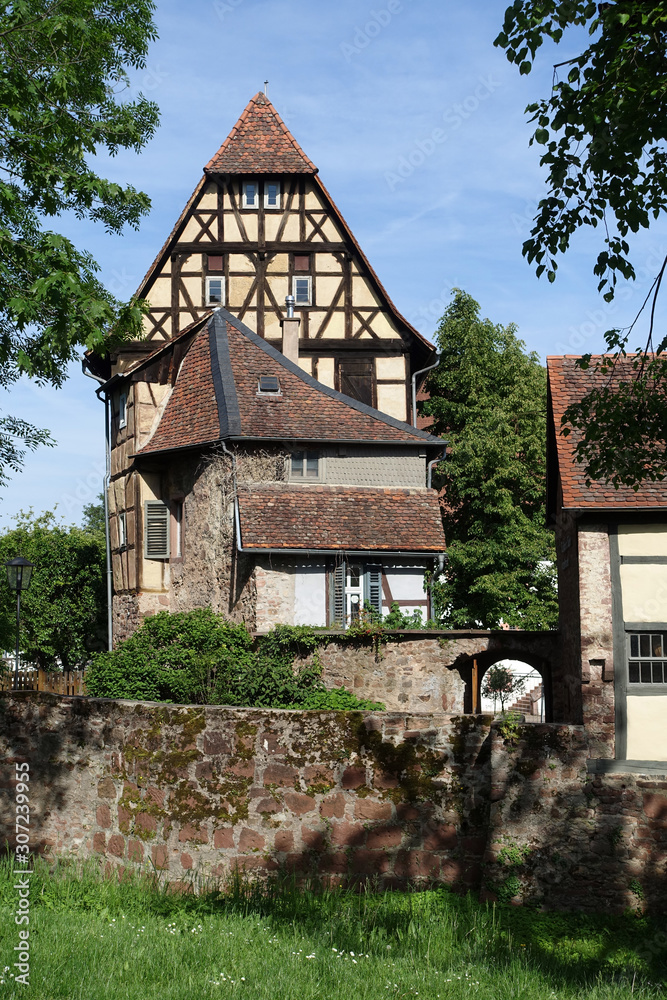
{"type": "Point", "coordinates": [64, 613]}
{"type": "Point", "coordinates": [488, 399]}
{"type": "Point", "coordinates": [501, 684]}
{"type": "Point", "coordinates": [63, 98]}
{"type": "Point", "coordinates": [604, 132]}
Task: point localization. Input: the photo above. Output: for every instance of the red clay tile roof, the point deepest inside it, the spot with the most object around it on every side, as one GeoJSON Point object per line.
{"type": "Point", "coordinates": [260, 143]}
{"type": "Point", "coordinates": [567, 385]}
{"type": "Point", "coordinates": [215, 397]}
{"type": "Point", "coordinates": [345, 518]}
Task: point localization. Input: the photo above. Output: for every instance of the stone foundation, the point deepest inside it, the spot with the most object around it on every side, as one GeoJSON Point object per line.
{"type": "Point", "coordinates": [402, 797]}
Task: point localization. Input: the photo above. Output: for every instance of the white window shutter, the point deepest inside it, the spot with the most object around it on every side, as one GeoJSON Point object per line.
{"type": "Point", "coordinates": [156, 530]}
{"type": "Point", "coordinates": [374, 587]}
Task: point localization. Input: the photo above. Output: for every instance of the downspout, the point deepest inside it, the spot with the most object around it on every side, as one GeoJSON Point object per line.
{"type": "Point", "coordinates": [414, 386]}
{"type": "Point", "coordinates": [442, 556]}
{"type": "Point", "coordinates": [107, 481]}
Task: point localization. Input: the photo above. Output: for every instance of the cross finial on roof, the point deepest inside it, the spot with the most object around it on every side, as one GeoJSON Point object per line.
{"type": "Point", "coordinates": [266, 88]}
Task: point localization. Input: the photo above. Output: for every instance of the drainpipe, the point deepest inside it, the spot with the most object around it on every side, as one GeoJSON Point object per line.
{"type": "Point", "coordinates": [107, 480]}
{"type": "Point", "coordinates": [414, 386]}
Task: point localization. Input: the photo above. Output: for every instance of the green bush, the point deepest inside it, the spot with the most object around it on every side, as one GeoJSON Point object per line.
{"type": "Point", "coordinates": [199, 657]}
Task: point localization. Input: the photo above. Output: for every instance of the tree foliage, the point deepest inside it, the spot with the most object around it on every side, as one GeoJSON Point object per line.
{"type": "Point", "coordinates": [501, 684]}
{"type": "Point", "coordinates": [200, 657]}
{"type": "Point", "coordinates": [63, 98]}
{"type": "Point", "coordinates": [488, 399]}
{"type": "Point", "coordinates": [63, 614]}
{"type": "Point", "coordinates": [604, 131]}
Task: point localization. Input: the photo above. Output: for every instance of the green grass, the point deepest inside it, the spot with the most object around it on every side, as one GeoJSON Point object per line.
{"type": "Point", "coordinates": [137, 940]}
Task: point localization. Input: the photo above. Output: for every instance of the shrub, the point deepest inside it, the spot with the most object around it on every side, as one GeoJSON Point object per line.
{"type": "Point", "coordinates": [200, 657]}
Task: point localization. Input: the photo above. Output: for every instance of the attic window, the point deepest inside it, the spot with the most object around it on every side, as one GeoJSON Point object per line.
{"type": "Point", "coordinates": [268, 385]}
{"type": "Point", "coordinates": [250, 199]}
{"type": "Point", "coordinates": [122, 410]}
{"type": "Point", "coordinates": [302, 290]}
{"type": "Point", "coordinates": [214, 262]}
{"type": "Point", "coordinates": [272, 194]}
{"type": "Point", "coordinates": [302, 262]}
{"type": "Point", "coordinates": [215, 292]}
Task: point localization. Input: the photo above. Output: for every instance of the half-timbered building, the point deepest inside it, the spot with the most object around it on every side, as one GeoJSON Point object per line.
{"type": "Point", "coordinates": [261, 459]}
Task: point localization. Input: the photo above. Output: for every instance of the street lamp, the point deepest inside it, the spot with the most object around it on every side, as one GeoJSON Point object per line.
{"type": "Point", "coordinates": [19, 572]}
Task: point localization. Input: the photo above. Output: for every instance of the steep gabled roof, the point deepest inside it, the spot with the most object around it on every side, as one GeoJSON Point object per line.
{"type": "Point", "coordinates": [568, 384]}
{"type": "Point", "coordinates": [339, 518]}
{"type": "Point", "coordinates": [215, 398]}
{"type": "Point", "coordinates": [260, 143]}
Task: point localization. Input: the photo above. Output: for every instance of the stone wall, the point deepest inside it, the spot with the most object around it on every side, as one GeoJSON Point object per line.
{"type": "Point", "coordinates": [453, 799]}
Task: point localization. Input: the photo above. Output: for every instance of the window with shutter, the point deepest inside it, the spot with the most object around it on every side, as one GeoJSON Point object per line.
{"type": "Point", "coordinates": [373, 588]}
{"type": "Point", "coordinates": [156, 530]}
{"type": "Point", "coordinates": [356, 379]}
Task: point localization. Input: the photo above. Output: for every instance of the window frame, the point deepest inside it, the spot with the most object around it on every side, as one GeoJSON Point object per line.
{"type": "Point", "coordinates": [292, 477]}
{"type": "Point", "coordinates": [244, 196]}
{"type": "Point", "coordinates": [122, 530]}
{"type": "Point", "coordinates": [278, 206]}
{"type": "Point", "coordinates": [207, 284]}
{"type": "Point", "coordinates": [269, 393]}
{"type": "Point", "coordinates": [369, 589]}
{"type": "Point", "coordinates": [309, 279]}
{"type": "Point", "coordinates": [176, 528]}
{"type": "Point", "coordinates": [122, 410]}
{"type": "Point", "coordinates": [640, 686]}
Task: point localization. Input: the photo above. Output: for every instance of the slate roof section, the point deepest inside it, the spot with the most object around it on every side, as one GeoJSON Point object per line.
{"type": "Point", "coordinates": [567, 385]}
{"type": "Point", "coordinates": [215, 397]}
{"type": "Point", "coordinates": [340, 518]}
{"type": "Point", "coordinates": [260, 143]}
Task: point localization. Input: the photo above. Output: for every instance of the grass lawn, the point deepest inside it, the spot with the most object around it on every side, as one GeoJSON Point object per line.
{"type": "Point", "coordinates": [92, 939]}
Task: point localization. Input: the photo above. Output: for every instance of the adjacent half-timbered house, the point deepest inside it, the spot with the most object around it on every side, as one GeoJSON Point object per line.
{"type": "Point", "coordinates": [612, 573]}
{"type": "Point", "coordinates": [261, 462]}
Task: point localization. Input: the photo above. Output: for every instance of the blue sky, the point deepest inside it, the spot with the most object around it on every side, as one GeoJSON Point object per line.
{"type": "Point", "coordinates": [417, 126]}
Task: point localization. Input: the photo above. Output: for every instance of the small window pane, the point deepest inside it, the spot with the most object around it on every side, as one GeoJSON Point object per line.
{"type": "Point", "coordinates": [301, 262]}
{"type": "Point", "coordinates": [302, 291]}
{"type": "Point", "coordinates": [355, 576]}
{"type": "Point", "coordinates": [250, 196]}
{"type": "Point", "coordinates": [645, 644]}
{"type": "Point", "coordinates": [645, 672]}
{"type": "Point", "coordinates": [297, 463]}
{"type": "Point", "coordinates": [634, 645]}
{"type": "Point", "coordinates": [214, 291]}
{"type": "Point", "coordinates": [657, 672]}
{"type": "Point", "coordinates": [312, 463]}
{"type": "Point", "coordinates": [272, 194]}
{"type": "Point", "coordinates": [634, 673]}
{"type": "Point", "coordinates": [656, 642]}
{"type": "Point", "coordinates": [215, 263]}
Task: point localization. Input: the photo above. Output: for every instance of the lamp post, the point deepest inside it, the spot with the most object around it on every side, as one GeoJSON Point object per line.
{"type": "Point", "coordinates": [19, 572]}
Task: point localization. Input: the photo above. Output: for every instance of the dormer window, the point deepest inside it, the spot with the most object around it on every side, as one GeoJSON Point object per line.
{"type": "Point", "coordinates": [302, 290]}
{"type": "Point", "coordinates": [215, 292]}
{"type": "Point", "coordinates": [250, 194]}
{"type": "Point", "coordinates": [268, 385]}
{"type": "Point", "coordinates": [272, 194]}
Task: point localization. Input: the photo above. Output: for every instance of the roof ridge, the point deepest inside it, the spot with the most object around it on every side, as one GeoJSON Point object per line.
{"type": "Point", "coordinates": [245, 118]}
{"type": "Point", "coordinates": [294, 369]}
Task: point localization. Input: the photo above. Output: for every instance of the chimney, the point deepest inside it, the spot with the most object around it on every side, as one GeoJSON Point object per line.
{"type": "Point", "coordinates": [290, 326]}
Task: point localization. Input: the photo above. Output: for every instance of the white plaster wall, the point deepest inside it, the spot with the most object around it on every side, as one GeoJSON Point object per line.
{"type": "Point", "coordinates": [310, 594]}
{"type": "Point", "coordinates": [407, 584]}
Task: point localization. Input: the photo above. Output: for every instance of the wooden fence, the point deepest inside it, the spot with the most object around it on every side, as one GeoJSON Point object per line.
{"type": "Point", "coordinates": [35, 679]}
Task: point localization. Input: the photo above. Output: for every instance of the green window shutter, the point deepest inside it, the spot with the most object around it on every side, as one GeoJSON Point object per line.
{"type": "Point", "coordinates": [338, 596]}
{"type": "Point", "coordinates": [373, 587]}
{"type": "Point", "coordinates": [156, 530]}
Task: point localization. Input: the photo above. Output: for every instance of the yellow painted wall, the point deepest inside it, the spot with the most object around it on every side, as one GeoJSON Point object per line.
{"type": "Point", "coordinates": [231, 229]}
{"type": "Point", "coordinates": [278, 263]}
{"type": "Point", "coordinates": [325, 372]}
{"type": "Point", "coordinates": [642, 539]}
{"type": "Point", "coordinates": [195, 289]}
{"type": "Point", "coordinates": [326, 289]}
{"type": "Point", "coordinates": [160, 293]}
{"type": "Point", "coordinates": [391, 400]}
{"type": "Point", "coordinates": [644, 589]}
{"type": "Point", "coordinates": [362, 294]}
{"type": "Point", "coordinates": [390, 368]}
{"type": "Point", "coordinates": [209, 197]}
{"type": "Point", "coordinates": [327, 262]}
{"type": "Point", "coordinates": [647, 732]}
{"type": "Point", "coordinates": [239, 262]}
